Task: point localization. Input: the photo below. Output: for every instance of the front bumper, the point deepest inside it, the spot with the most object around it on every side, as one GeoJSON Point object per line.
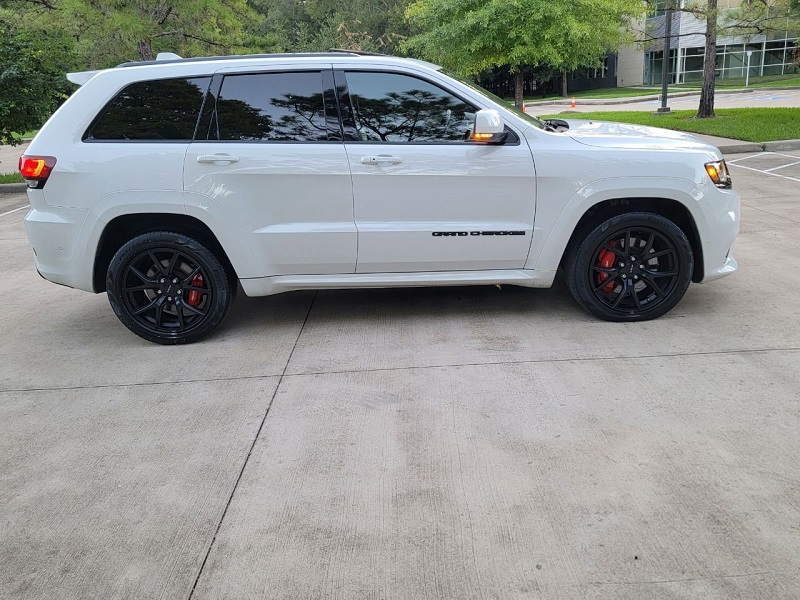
{"type": "Point", "coordinates": [728, 268]}
{"type": "Point", "coordinates": [722, 213]}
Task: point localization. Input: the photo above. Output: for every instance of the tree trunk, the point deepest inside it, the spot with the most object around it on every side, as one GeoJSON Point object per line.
{"type": "Point", "coordinates": [145, 49]}
{"type": "Point", "coordinates": [564, 90]}
{"type": "Point", "coordinates": [706, 109]}
{"type": "Point", "coordinates": [519, 89]}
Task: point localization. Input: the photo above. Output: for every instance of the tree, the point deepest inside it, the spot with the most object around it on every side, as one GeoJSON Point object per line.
{"type": "Point", "coordinates": [470, 36]}
{"type": "Point", "coordinates": [106, 32]}
{"type": "Point", "coordinates": [754, 17]}
{"type": "Point", "coordinates": [318, 25]}
{"type": "Point", "coordinates": [31, 80]}
{"type": "Point", "coordinates": [751, 17]}
{"type": "Point", "coordinates": [706, 108]}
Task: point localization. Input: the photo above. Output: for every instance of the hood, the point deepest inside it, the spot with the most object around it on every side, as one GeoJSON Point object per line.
{"type": "Point", "coordinates": [623, 135]}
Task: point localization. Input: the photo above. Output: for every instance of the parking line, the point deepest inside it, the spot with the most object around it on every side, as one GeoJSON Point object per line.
{"type": "Point", "coordinates": [781, 167]}
{"type": "Point", "coordinates": [736, 160]}
{"type": "Point", "coordinates": [15, 210]}
{"type": "Point", "coordinates": [767, 173]}
{"type": "Point", "coordinates": [760, 154]}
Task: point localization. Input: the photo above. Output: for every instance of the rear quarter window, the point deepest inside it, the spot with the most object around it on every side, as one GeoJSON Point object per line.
{"type": "Point", "coordinates": [159, 110]}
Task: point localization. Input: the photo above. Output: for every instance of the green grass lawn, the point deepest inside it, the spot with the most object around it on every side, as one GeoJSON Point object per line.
{"type": "Point", "coordinates": [749, 124]}
{"type": "Point", "coordinates": [11, 178]}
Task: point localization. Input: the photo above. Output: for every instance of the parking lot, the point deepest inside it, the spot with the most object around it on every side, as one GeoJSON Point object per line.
{"type": "Point", "coordinates": [432, 443]}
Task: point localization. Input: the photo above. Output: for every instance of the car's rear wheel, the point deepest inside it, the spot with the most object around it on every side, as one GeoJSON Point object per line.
{"type": "Point", "coordinates": [168, 288]}
{"type": "Point", "coordinates": [632, 267]}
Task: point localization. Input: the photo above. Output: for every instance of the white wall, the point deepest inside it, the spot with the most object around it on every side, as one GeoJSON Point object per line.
{"type": "Point", "coordinates": [630, 66]}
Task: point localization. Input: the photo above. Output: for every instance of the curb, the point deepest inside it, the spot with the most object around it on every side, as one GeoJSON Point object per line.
{"type": "Point", "coordinates": [781, 145]}
{"type": "Point", "coordinates": [13, 188]}
{"type": "Point", "coordinates": [743, 148]}
{"type": "Point", "coordinates": [747, 147]}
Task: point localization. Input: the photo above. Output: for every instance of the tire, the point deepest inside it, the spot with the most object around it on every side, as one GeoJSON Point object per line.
{"type": "Point", "coordinates": [610, 275]}
{"type": "Point", "coordinates": [168, 288]}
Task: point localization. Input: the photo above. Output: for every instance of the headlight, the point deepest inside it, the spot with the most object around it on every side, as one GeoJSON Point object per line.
{"type": "Point", "coordinates": [718, 171]}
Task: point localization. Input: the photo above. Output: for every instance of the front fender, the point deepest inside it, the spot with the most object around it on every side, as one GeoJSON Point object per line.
{"type": "Point", "coordinates": [555, 225]}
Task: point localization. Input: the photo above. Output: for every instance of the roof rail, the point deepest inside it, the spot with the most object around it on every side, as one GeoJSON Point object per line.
{"type": "Point", "coordinates": [162, 61]}
{"type": "Point", "coordinates": [356, 52]}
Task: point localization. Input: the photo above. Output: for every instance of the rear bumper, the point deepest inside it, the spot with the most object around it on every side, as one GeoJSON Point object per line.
{"type": "Point", "coordinates": [54, 235]}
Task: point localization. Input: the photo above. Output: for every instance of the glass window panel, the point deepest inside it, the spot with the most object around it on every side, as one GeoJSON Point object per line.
{"type": "Point", "coordinates": [693, 63]}
{"type": "Point", "coordinates": [389, 107]}
{"type": "Point", "coordinates": [275, 107]}
{"type": "Point", "coordinates": [164, 110]}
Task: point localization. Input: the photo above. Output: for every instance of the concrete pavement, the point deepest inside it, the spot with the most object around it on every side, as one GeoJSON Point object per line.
{"type": "Point", "coordinates": [445, 443]}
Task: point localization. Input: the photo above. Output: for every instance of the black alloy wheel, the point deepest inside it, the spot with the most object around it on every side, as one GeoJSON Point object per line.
{"type": "Point", "coordinates": [632, 267]}
{"type": "Point", "coordinates": [168, 288]}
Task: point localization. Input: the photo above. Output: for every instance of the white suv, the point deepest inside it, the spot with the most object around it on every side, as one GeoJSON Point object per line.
{"type": "Point", "coordinates": [166, 183]}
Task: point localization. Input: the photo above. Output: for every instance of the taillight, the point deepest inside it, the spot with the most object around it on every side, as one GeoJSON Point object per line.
{"type": "Point", "coordinates": [36, 169]}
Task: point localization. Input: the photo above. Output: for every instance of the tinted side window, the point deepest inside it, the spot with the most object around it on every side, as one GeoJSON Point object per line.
{"type": "Point", "coordinates": [165, 109]}
{"type": "Point", "coordinates": [277, 107]}
{"type": "Point", "coordinates": [388, 107]}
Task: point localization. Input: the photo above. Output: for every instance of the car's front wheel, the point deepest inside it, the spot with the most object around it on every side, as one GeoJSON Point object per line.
{"type": "Point", "coordinates": [632, 267]}
{"type": "Point", "coordinates": [168, 288]}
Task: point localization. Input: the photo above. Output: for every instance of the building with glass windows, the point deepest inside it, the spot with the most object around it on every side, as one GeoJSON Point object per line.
{"type": "Point", "coordinates": [761, 55]}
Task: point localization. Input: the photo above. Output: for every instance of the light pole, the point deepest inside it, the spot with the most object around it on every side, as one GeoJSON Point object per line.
{"type": "Point", "coordinates": [747, 77]}
{"type": "Point", "coordinates": [665, 64]}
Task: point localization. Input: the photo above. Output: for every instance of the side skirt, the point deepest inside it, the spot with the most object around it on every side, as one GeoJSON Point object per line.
{"type": "Point", "coordinates": [265, 286]}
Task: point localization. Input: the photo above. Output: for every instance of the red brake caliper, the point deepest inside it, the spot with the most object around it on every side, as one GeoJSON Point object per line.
{"type": "Point", "coordinates": [606, 260]}
{"type": "Point", "coordinates": [194, 297]}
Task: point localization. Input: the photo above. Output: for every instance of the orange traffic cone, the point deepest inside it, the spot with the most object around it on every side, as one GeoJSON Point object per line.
{"type": "Point", "coordinates": [573, 103]}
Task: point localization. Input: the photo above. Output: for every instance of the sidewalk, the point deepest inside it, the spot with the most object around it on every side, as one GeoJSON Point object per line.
{"type": "Point", "coordinates": [650, 96]}
{"type": "Point", "coordinates": [634, 99]}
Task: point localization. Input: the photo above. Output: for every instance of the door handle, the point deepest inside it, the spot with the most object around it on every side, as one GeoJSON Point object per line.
{"type": "Point", "coordinates": [381, 159]}
{"type": "Point", "coordinates": [217, 158]}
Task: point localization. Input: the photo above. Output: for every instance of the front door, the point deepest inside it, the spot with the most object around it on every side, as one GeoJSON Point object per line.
{"type": "Point", "coordinates": [424, 198]}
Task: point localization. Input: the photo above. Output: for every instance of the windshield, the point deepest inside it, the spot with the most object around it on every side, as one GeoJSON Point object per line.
{"type": "Point", "coordinates": [535, 121]}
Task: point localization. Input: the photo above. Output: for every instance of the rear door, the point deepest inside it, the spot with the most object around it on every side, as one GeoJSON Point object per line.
{"type": "Point", "coordinates": [269, 152]}
{"type": "Point", "coordinates": [425, 198]}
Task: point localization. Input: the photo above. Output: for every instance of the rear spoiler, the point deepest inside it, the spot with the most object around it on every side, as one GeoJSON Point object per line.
{"type": "Point", "coordinates": [81, 77]}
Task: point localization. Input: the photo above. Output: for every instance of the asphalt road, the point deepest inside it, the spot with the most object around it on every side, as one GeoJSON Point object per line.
{"type": "Point", "coordinates": [433, 443]}
{"type": "Point", "coordinates": [754, 99]}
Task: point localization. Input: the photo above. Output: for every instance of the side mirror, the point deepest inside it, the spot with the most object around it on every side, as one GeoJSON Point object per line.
{"type": "Point", "coordinates": [488, 127]}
